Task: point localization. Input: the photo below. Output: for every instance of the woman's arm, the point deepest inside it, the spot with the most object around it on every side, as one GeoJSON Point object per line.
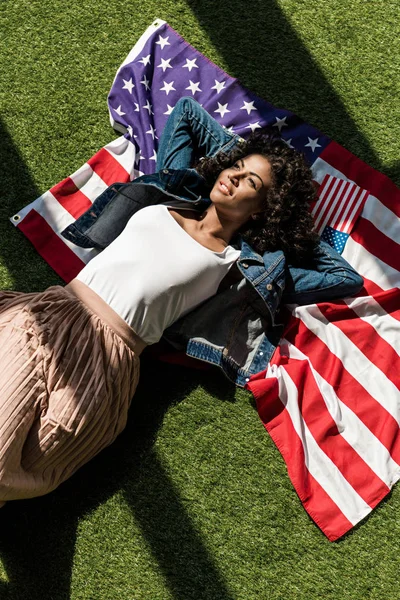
{"type": "Point", "coordinates": [189, 133]}
{"type": "Point", "coordinates": [327, 277]}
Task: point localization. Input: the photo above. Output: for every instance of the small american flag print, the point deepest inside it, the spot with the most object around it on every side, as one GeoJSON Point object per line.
{"type": "Point", "coordinates": [337, 209]}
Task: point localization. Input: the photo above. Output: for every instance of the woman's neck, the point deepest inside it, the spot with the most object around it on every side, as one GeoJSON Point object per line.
{"type": "Point", "coordinates": [215, 225]}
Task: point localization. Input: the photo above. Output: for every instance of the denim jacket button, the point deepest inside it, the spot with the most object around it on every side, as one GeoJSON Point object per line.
{"type": "Point", "coordinates": [269, 287]}
{"type": "Point", "coordinates": [165, 171]}
{"type": "Point", "coordinates": [245, 265]}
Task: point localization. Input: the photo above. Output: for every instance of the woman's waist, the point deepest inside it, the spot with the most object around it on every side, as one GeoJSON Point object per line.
{"type": "Point", "coordinates": [107, 314]}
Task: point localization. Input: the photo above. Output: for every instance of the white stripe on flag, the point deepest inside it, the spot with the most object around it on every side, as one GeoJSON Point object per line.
{"type": "Point", "coordinates": [124, 151]}
{"type": "Point", "coordinates": [322, 210]}
{"type": "Point", "coordinates": [57, 218]}
{"type": "Point", "coordinates": [347, 226]}
{"type": "Point", "coordinates": [320, 168]}
{"type": "Point", "coordinates": [338, 203]}
{"type": "Point", "coordinates": [369, 266]}
{"type": "Point", "coordinates": [370, 377]}
{"type": "Point", "coordinates": [88, 182]}
{"type": "Point", "coordinates": [345, 193]}
{"type": "Point", "coordinates": [323, 191]}
{"type": "Point", "coordinates": [374, 210]}
{"type": "Point", "coordinates": [351, 192]}
{"type": "Point", "coordinates": [370, 311]}
{"type": "Point", "coordinates": [317, 462]}
{"type": "Point", "coordinates": [351, 428]}
{"type": "Point", "coordinates": [382, 217]}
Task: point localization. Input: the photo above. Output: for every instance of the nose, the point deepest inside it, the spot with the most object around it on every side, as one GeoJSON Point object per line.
{"type": "Point", "coordinates": [233, 179]}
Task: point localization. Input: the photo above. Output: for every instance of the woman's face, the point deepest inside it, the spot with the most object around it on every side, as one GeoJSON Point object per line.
{"type": "Point", "coordinates": [240, 190]}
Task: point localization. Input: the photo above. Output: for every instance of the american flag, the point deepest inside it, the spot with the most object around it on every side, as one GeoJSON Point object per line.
{"type": "Point", "coordinates": [330, 395]}
{"type": "Point", "coordinates": [337, 209]}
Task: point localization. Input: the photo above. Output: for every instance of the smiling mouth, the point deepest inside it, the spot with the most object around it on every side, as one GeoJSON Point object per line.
{"type": "Point", "coordinates": [224, 189]}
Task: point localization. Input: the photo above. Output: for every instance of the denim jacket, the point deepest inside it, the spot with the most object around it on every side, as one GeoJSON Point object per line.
{"type": "Point", "coordinates": [237, 328]}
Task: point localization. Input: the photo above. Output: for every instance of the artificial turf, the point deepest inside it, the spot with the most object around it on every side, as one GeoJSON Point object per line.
{"type": "Point", "coordinates": [193, 500]}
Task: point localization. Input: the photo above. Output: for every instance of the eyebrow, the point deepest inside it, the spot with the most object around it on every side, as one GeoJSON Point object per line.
{"type": "Point", "coordinates": [255, 174]}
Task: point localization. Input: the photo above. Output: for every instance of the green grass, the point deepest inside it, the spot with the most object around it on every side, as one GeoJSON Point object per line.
{"type": "Point", "coordinates": [193, 500]}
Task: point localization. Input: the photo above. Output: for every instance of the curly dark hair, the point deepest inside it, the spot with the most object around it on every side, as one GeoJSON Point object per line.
{"type": "Point", "coordinates": [285, 222]}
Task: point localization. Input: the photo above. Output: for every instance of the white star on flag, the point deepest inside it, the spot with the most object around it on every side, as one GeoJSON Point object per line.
{"type": "Point", "coordinates": [289, 142]}
{"type": "Point", "coordinates": [149, 107]}
{"type": "Point", "coordinates": [228, 128]}
{"type": "Point", "coordinates": [169, 110]}
{"type": "Point", "coordinates": [154, 157]}
{"type": "Point", "coordinates": [139, 156]}
{"type": "Point", "coordinates": [165, 64]}
{"type": "Point", "coordinates": [163, 41]}
{"type": "Point", "coordinates": [222, 109]}
{"type": "Point", "coordinates": [190, 64]}
{"type": "Point", "coordinates": [167, 87]}
{"type": "Point", "coordinates": [280, 123]}
{"type": "Point", "coordinates": [119, 111]}
{"type": "Point", "coordinates": [130, 130]}
{"type": "Point", "coordinates": [145, 82]}
{"type": "Point", "coordinates": [136, 107]}
{"type": "Point", "coordinates": [193, 87]}
{"type": "Point", "coordinates": [249, 106]}
{"type": "Point", "coordinates": [313, 144]}
{"type": "Point", "coordinates": [254, 126]}
{"type": "Point", "coordinates": [145, 60]}
{"type": "Point", "coordinates": [219, 85]}
{"type": "Point", "coordinates": [128, 85]}
{"type": "Point", "coordinates": [152, 132]}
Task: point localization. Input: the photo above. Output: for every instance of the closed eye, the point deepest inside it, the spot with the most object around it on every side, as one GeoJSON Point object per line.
{"type": "Point", "coordinates": [237, 166]}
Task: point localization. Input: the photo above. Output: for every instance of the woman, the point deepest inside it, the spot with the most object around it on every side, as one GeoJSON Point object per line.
{"type": "Point", "coordinates": [172, 261]}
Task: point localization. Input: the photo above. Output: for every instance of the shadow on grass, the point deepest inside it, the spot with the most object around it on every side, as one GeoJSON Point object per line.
{"type": "Point", "coordinates": [260, 47]}
{"type": "Point", "coordinates": [37, 541]}
{"type": "Point", "coordinates": [28, 271]}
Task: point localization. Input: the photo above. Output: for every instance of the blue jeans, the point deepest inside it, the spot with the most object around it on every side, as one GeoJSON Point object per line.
{"type": "Point", "coordinates": [190, 133]}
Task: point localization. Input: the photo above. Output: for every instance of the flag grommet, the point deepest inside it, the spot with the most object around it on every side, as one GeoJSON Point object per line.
{"type": "Point", "coordinates": [16, 217]}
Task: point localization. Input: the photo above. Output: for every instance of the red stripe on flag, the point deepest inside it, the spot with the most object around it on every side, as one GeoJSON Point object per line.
{"type": "Point", "coordinates": [377, 243]}
{"type": "Point", "coordinates": [340, 204]}
{"type": "Point", "coordinates": [343, 207]}
{"type": "Point", "coordinates": [278, 423]}
{"type": "Point", "coordinates": [347, 219]}
{"type": "Point", "coordinates": [365, 337]}
{"type": "Point", "coordinates": [70, 197]}
{"type": "Point", "coordinates": [370, 288]}
{"type": "Point", "coordinates": [382, 297]}
{"type": "Point", "coordinates": [365, 176]}
{"type": "Point", "coordinates": [108, 168]}
{"type": "Point", "coordinates": [347, 388]}
{"type": "Point", "coordinates": [390, 302]}
{"type": "Point", "coordinates": [54, 251]}
{"type": "Point", "coordinates": [326, 433]}
{"type": "Point", "coordinates": [329, 189]}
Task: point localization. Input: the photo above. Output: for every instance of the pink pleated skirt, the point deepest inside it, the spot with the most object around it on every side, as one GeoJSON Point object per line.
{"type": "Point", "coordinates": [66, 382]}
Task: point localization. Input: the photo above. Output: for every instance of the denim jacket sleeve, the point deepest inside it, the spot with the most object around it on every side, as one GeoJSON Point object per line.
{"type": "Point", "coordinates": [326, 277]}
{"type": "Point", "coordinates": [189, 133]}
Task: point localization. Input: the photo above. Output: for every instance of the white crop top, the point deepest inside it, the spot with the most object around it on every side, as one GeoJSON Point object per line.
{"type": "Point", "coordinates": [154, 272]}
